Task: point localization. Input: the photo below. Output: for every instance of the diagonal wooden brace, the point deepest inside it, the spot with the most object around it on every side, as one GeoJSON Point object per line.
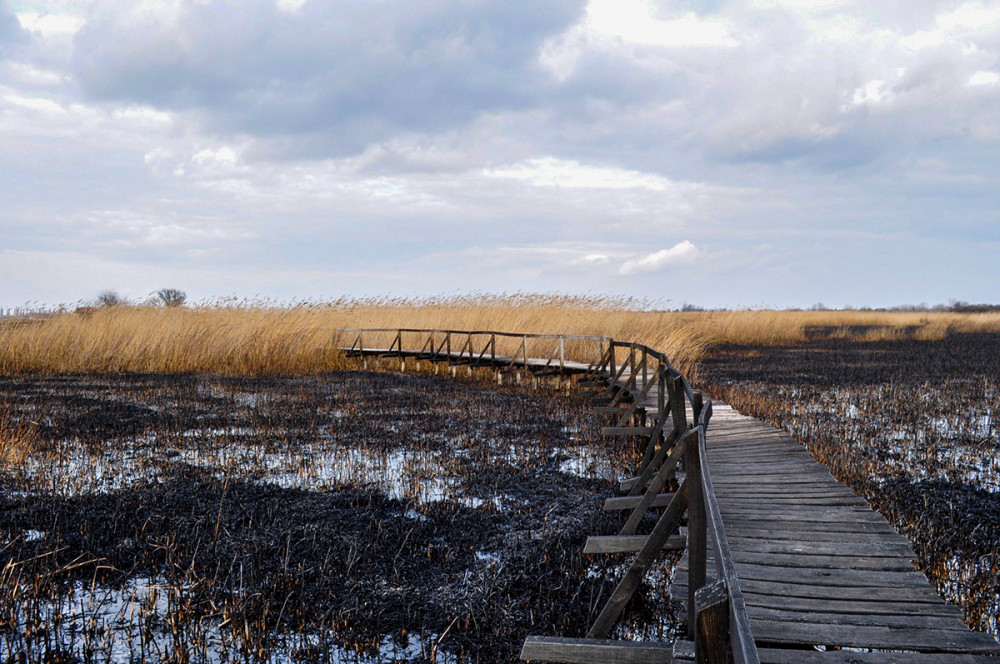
{"type": "Point", "coordinates": [659, 480]}
{"type": "Point", "coordinates": [657, 462]}
{"type": "Point", "coordinates": [665, 527]}
{"type": "Point", "coordinates": [637, 402]}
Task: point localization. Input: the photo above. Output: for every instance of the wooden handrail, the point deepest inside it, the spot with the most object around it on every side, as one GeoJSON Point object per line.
{"type": "Point", "coordinates": [736, 627]}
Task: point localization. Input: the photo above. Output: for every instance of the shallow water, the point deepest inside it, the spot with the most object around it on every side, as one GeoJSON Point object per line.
{"type": "Point", "coordinates": [523, 473]}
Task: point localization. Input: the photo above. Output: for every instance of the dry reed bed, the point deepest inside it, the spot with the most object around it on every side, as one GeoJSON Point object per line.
{"type": "Point", "coordinates": [913, 426]}
{"type": "Point", "coordinates": [254, 339]}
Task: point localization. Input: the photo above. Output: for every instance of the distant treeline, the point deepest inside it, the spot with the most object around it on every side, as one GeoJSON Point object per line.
{"type": "Point", "coordinates": [953, 306]}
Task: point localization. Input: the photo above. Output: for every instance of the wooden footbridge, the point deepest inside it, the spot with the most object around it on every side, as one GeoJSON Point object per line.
{"type": "Point", "coordinates": [781, 563]}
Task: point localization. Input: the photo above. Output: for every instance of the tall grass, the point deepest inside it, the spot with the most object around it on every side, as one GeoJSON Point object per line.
{"type": "Point", "coordinates": [261, 338]}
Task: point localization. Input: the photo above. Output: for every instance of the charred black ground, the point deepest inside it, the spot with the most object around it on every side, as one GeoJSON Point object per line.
{"type": "Point", "coordinates": [911, 425]}
{"type": "Point", "coordinates": [235, 502]}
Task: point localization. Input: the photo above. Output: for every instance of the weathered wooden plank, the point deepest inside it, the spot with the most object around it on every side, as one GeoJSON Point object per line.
{"type": "Point", "coordinates": [897, 620]}
{"type": "Point", "coordinates": [841, 578]}
{"type": "Point", "coordinates": [895, 548]}
{"type": "Point", "coordinates": [765, 492]}
{"type": "Point", "coordinates": [627, 484]}
{"type": "Point", "coordinates": [891, 594]}
{"type": "Point", "coordinates": [802, 656]}
{"type": "Point", "coordinates": [618, 503]}
{"type": "Point", "coordinates": [627, 431]}
{"type": "Point", "coordinates": [595, 651]}
{"type": "Point", "coordinates": [749, 478]}
{"type": "Point", "coordinates": [609, 410]}
{"type": "Point", "coordinates": [739, 500]}
{"type": "Point", "coordinates": [826, 604]}
{"type": "Point", "coordinates": [862, 636]}
{"type": "Point", "coordinates": [827, 531]}
{"type": "Point", "coordinates": [628, 543]}
{"type": "Point", "coordinates": [823, 603]}
{"type": "Point", "coordinates": [838, 560]}
{"type": "Point", "coordinates": [819, 518]}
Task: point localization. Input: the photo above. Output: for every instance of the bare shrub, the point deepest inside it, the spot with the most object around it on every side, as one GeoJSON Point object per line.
{"type": "Point", "coordinates": [171, 297]}
{"type": "Point", "coordinates": [110, 298]}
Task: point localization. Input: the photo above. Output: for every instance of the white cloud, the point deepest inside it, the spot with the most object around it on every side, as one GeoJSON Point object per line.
{"type": "Point", "coordinates": [307, 133]}
{"type": "Point", "coordinates": [224, 156]}
{"type": "Point", "coordinates": [635, 21]}
{"type": "Point", "coordinates": [129, 230]}
{"type": "Point", "coordinates": [26, 74]}
{"type": "Point", "coordinates": [922, 40]}
{"type": "Point", "coordinates": [619, 25]}
{"type": "Point", "coordinates": [51, 25]}
{"type": "Point", "coordinates": [593, 259]}
{"type": "Point", "coordinates": [970, 16]}
{"type": "Point", "coordinates": [35, 103]}
{"type": "Point", "coordinates": [872, 94]}
{"type": "Point", "coordinates": [984, 78]}
{"type": "Point", "coordinates": [142, 114]}
{"type": "Point", "coordinates": [551, 172]}
{"type": "Point", "coordinates": [682, 253]}
{"type": "Point", "coordinates": [291, 6]}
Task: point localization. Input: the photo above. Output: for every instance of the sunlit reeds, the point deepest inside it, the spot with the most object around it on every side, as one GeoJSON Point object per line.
{"type": "Point", "coordinates": [262, 337]}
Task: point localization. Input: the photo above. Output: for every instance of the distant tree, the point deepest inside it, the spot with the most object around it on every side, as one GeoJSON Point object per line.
{"type": "Point", "coordinates": [171, 297]}
{"type": "Point", "coordinates": [110, 298]}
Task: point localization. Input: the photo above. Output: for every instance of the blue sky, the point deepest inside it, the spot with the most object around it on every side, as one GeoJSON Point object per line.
{"type": "Point", "coordinates": [756, 153]}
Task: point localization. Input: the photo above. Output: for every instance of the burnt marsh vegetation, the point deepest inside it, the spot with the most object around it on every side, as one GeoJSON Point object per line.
{"type": "Point", "coordinates": [347, 517]}
{"type": "Point", "coordinates": [911, 425]}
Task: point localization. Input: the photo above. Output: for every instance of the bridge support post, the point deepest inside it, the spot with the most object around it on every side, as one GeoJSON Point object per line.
{"type": "Point", "coordinates": [712, 611]}
{"type": "Point", "coordinates": [697, 531]}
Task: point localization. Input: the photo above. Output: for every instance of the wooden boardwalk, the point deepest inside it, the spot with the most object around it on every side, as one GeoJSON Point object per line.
{"type": "Point", "coordinates": [816, 565]}
{"type": "Point", "coordinates": [790, 565]}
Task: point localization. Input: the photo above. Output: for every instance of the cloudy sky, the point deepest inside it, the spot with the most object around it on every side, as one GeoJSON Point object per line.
{"type": "Point", "coordinates": [762, 152]}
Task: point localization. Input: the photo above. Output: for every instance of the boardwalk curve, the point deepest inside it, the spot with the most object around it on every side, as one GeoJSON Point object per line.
{"type": "Point", "coordinates": [781, 562]}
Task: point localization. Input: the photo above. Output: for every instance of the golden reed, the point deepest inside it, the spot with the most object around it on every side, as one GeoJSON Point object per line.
{"type": "Point", "coordinates": [264, 338]}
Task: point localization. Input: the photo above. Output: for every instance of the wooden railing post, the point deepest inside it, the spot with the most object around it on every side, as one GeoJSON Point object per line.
{"type": "Point", "coordinates": [361, 347]}
{"type": "Point", "coordinates": [697, 403]}
{"type": "Point", "coordinates": [645, 367]}
{"type": "Point", "coordinates": [712, 641]}
{"type": "Point", "coordinates": [562, 355]}
{"type": "Point", "coordinates": [697, 540]}
{"type": "Point", "coordinates": [661, 399]}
